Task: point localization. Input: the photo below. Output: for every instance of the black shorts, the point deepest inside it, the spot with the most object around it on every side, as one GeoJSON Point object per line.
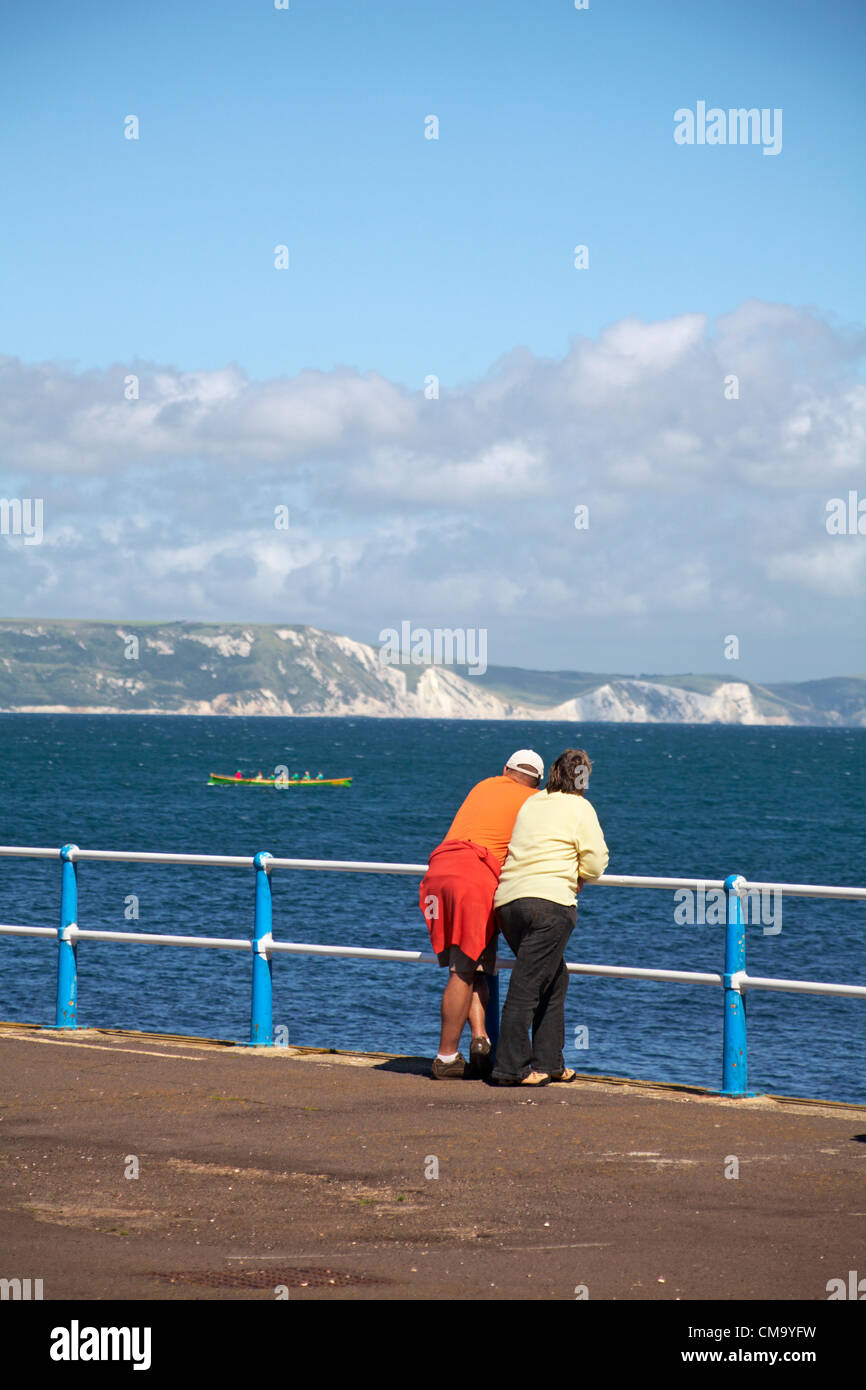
{"type": "Point", "coordinates": [459, 963]}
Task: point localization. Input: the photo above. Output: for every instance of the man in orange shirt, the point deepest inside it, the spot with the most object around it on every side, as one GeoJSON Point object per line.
{"type": "Point", "coordinates": [457, 902]}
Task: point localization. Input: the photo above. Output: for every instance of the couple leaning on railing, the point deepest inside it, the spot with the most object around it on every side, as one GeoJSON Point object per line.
{"type": "Point", "coordinates": [513, 861]}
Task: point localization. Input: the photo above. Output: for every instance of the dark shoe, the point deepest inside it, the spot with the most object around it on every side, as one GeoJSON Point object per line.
{"type": "Point", "coordinates": [444, 1071]}
{"type": "Point", "coordinates": [480, 1058]}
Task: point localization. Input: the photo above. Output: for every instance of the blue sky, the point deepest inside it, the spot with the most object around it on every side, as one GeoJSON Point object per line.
{"type": "Point", "coordinates": [408, 256]}
{"type": "Point", "coordinates": [453, 257]}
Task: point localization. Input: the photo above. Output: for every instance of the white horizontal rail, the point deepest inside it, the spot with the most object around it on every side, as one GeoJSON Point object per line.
{"type": "Point", "coordinates": [29, 852]}
{"type": "Point", "coordinates": [688, 977]}
{"type": "Point", "coordinates": [298, 948]}
{"type": "Point", "coordinates": [111, 856]}
{"type": "Point", "coordinates": [358, 866]}
{"type": "Point", "coordinates": [803, 890]}
{"type": "Point", "coordinates": [801, 986]}
{"type": "Point", "coordinates": [27, 931]}
{"type": "Point", "coordinates": [125, 856]}
{"type": "Point", "coordinates": [349, 866]}
{"type": "Point", "coordinates": [649, 881]}
{"type": "Point", "coordinates": [129, 938]}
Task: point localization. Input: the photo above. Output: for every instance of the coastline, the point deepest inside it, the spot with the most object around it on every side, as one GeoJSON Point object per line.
{"type": "Point", "coordinates": [365, 713]}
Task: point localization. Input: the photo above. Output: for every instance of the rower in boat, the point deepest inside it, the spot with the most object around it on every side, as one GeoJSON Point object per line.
{"type": "Point", "coordinates": [294, 780]}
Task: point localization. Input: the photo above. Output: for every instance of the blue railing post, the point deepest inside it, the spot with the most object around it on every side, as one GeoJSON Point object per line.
{"type": "Point", "coordinates": [67, 963]}
{"type": "Point", "coordinates": [262, 1017]}
{"type": "Point", "coordinates": [735, 1071]}
{"type": "Point", "coordinates": [491, 1013]}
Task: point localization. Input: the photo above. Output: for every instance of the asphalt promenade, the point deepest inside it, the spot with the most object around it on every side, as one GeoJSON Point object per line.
{"type": "Point", "coordinates": [317, 1175]}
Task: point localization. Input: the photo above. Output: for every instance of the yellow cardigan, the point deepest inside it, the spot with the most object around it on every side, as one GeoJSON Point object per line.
{"type": "Point", "coordinates": [556, 840]}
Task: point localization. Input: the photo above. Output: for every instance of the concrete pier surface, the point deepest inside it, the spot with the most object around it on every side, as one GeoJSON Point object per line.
{"type": "Point", "coordinates": [315, 1173]}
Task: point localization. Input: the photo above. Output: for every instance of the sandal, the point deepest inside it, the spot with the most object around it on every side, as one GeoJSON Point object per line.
{"type": "Point", "coordinates": [535, 1078]}
{"type": "Point", "coordinates": [568, 1074]}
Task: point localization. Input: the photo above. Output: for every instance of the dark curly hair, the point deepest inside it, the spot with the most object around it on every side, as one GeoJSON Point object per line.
{"type": "Point", "coordinates": [570, 772]}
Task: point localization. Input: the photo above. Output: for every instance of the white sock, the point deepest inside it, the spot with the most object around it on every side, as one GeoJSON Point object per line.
{"type": "Point", "coordinates": [452, 1058]}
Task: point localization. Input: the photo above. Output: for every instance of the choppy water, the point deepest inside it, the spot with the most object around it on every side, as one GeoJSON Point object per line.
{"type": "Point", "coordinates": [775, 804]}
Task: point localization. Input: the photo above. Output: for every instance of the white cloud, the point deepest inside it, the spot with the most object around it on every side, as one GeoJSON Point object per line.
{"type": "Point", "coordinates": [457, 510]}
{"type": "Point", "coordinates": [835, 567]}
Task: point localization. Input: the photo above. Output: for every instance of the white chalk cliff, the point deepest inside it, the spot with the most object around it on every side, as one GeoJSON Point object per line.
{"type": "Point", "coordinates": [259, 669]}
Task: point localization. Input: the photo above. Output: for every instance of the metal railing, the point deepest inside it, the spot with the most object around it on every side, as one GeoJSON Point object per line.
{"type": "Point", "coordinates": [733, 979]}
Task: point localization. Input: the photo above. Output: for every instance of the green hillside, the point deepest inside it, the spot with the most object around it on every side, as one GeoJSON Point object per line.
{"type": "Point", "coordinates": [265, 668]}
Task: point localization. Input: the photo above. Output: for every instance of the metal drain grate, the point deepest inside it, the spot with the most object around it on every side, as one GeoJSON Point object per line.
{"type": "Point", "coordinates": [269, 1278]}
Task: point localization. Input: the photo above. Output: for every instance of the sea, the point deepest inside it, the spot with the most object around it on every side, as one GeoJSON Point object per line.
{"type": "Point", "coordinates": [774, 804]}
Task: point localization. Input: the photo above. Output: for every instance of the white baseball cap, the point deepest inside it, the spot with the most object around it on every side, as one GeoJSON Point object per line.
{"type": "Point", "coordinates": [524, 760]}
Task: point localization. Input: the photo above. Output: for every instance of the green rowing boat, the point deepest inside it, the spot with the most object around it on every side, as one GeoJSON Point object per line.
{"type": "Point", "coordinates": [217, 780]}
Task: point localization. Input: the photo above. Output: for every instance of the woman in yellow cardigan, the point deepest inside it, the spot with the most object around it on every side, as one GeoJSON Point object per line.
{"type": "Point", "coordinates": [556, 846]}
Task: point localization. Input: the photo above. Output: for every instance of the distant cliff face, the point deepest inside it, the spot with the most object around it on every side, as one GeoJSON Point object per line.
{"type": "Point", "coordinates": [645, 702]}
{"type": "Point", "coordinates": [201, 668]}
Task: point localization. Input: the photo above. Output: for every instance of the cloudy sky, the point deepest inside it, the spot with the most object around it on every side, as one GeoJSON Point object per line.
{"type": "Point", "coordinates": [432, 386]}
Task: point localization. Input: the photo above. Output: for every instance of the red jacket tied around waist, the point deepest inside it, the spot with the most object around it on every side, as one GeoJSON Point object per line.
{"type": "Point", "coordinates": [456, 896]}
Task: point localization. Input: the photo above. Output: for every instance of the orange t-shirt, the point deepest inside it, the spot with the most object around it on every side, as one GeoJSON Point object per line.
{"type": "Point", "coordinates": [488, 814]}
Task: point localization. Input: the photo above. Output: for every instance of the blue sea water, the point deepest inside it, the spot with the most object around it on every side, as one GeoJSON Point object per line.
{"type": "Point", "coordinates": [774, 804]}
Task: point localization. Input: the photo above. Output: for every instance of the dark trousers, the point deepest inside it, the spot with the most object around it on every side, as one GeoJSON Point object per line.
{"type": "Point", "coordinates": [537, 931]}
